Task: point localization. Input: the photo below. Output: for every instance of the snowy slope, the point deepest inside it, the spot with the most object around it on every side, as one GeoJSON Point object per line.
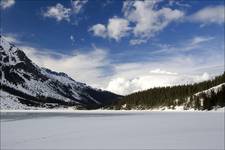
{"type": "Point", "coordinates": [208, 91]}
{"type": "Point", "coordinates": [32, 85]}
{"type": "Point", "coordinates": [9, 101]}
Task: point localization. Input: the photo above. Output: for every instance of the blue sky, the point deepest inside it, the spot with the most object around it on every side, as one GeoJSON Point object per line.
{"type": "Point", "coordinates": [121, 46]}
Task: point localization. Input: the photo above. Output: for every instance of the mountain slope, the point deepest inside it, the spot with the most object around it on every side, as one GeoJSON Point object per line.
{"type": "Point", "coordinates": [201, 96]}
{"type": "Point", "coordinates": [30, 85]}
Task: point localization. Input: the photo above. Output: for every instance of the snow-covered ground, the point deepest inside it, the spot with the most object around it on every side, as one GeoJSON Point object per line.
{"type": "Point", "coordinates": [216, 89]}
{"type": "Point", "coordinates": [112, 129]}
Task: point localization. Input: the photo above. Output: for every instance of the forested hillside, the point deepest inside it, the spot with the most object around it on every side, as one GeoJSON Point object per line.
{"type": "Point", "coordinates": [198, 96]}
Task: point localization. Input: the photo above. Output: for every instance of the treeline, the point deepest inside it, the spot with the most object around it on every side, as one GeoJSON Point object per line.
{"type": "Point", "coordinates": [176, 96]}
{"type": "Point", "coordinates": [208, 100]}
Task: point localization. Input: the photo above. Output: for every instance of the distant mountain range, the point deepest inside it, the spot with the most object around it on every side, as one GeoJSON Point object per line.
{"type": "Point", "coordinates": [25, 85]}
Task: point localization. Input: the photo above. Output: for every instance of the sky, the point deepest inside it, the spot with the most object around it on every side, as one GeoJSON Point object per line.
{"type": "Point", "coordinates": [117, 45]}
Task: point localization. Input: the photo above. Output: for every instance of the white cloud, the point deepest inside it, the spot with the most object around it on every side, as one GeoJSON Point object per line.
{"type": "Point", "coordinates": [125, 86]}
{"type": "Point", "coordinates": [137, 41]}
{"type": "Point", "coordinates": [144, 19]}
{"type": "Point", "coordinates": [159, 71]}
{"type": "Point", "coordinates": [178, 3]}
{"type": "Point", "coordinates": [99, 30]}
{"type": "Point", "coordinates": [78, 5]}
{"type": "Point", "coordinates": [147, 19]}
{"type": "Point", "coordinates": [207, 15]}
{"type": "Point", "coordinates": [7, 3]}
{"type": "Point", "coordinates": [120, 86]}
{"type": "Point", "coordinates": [127, 81]}
{"type": "Point", "coordinates": [141, 19]}
{"type": "Point", "coordinates": [11, 38]}
{"type": "Point", "coordinates": [58, 12]}
{"type": "Point", "coordinates": [200, 39]}
{"type": "Point", "coordinates": [203, 77]}
{"type": "Point", "coordinates": [116, 29]}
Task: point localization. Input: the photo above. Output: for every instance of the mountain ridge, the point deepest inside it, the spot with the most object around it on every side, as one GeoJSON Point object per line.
{"type": "Point", "coordinates": [35, 86]}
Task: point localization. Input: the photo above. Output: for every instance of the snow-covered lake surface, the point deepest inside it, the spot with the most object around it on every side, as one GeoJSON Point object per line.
{"type": "Point", "coordinates": [112, 130]}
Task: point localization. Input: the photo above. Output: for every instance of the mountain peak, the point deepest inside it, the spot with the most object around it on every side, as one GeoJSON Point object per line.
{"type": "Point", "coordinates": [32, 85]}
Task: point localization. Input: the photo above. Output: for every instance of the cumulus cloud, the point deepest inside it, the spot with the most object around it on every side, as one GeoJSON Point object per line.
{"type": "Point", "coordinates": [115, 29]}
{"type": "Point", "coordinates": [126, 86]}
{"type": "Point", "coordinates": [141, 19]}
{"type": "Point", "coordinates": [120, 86]}
{"type": "Point", "coordinates": [144, 19]}
{"type": "Point", "coordinates": [78, 5]}
{"type": "Point", "coordinates": [99, 30]}
{"type": "Point", "coordinates": [207, 15]}
{"type": "Point", "coordinates": [149, 20]}
{"type": "Point", "coordinates": [155, 78]}
{"type": "Point", "coordinates": [7, 3]}
{"type": "Point", "coordinates": [58, 12]}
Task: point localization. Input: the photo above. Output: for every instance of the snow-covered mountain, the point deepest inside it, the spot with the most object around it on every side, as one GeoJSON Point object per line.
{"type": "Point", "coordinates": [214, 89]}
{"type": "Point", "coordinates": [26, 85]}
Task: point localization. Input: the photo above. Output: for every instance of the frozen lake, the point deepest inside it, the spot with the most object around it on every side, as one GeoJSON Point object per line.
{"type": "Point", "coordinates": [112, 130]}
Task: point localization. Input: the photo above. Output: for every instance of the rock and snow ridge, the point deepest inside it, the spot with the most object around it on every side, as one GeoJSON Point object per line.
{"type": "Point", "coordinates": [25, 85]}
{"type": "Point", "coordinates": [208, 91]}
